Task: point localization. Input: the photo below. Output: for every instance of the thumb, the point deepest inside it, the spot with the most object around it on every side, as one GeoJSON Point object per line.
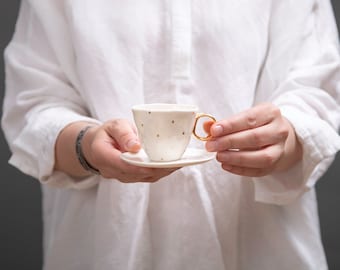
{"type": "Point", "coordinates": [124, 134]}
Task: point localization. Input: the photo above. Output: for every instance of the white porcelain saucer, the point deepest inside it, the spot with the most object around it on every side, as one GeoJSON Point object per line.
{"type": "Point", "coordinates": [191, 156]}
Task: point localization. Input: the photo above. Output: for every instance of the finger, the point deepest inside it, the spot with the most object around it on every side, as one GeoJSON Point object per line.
{"type": "Point", "coordinates": [105, 154]}
{"type": "Point", "coordinates": [249, 172]}
{"type": "Point", "coordinates": [146, 175]}
{"type": "Point", "coordinates": [158, 174]}
{"type": "Point", "coordinates": [108, 160]}
{"type": "Point", "coordinates": [263, 158]}
{"type": "Point", "coordinates": [249, 119]}
{"type": "Point", "coordinates": [251, 139]}
{"type": "Point", "coordinates": [124, 134]}
{"type": "Point", "coordinates": [115, 167]}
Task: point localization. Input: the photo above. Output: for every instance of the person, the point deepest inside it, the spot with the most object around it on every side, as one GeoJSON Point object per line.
{"type": "Point", "coordinates": [267, 70]}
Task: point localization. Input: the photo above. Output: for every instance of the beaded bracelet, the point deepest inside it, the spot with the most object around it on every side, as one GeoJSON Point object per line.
{"type": "Point", "coordinates": [80, 154]}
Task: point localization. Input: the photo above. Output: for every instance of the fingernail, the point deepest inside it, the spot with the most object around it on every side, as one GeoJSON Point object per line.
{"type": "Point", "coordinates": [133, 145]}
{"type": "Point", "coordinates": [227, 167]}
{"type": "Point", "coordinates": [217, 130]}
{"type": "Point", "coordinates": [211, 146]}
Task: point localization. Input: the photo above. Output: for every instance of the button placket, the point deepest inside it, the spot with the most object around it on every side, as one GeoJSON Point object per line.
{"type": "Point", "coordinates": [181, 39]}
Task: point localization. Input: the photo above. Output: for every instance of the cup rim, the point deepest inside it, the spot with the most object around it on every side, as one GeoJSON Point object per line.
{"type": "Point", "coordinates": [165, 107]}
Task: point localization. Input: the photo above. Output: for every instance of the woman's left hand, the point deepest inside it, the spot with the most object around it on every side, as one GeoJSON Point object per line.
{"type": "Point", "coordinates": [256, 142]}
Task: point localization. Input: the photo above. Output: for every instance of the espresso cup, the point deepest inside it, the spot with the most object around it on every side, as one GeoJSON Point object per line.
{"type": "Point", "coordinates": [165, 129]}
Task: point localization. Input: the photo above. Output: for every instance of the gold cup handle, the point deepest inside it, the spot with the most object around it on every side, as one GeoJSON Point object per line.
{"type": "Point", "coordinates": [198, 116]}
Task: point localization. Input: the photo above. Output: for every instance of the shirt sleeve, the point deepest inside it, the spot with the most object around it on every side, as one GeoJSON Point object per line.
{"type": "Point", "coordinates": [302, 66]}
{"type": "Point", "coordinates": [41, 98]}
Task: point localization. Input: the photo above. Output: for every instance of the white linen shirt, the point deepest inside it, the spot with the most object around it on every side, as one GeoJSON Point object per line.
{"type": "Point", "coordinates": [93, 60]}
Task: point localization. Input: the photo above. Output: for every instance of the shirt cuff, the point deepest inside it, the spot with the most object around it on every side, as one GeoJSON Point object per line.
{"type": "Point", "coordinates": [320, 144]}
{"type": "Point", "coordinates": [34, 149]}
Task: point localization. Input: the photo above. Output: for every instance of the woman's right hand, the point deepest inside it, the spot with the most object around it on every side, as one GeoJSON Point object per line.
{"type": "Point", "coordinates": [102, 146]}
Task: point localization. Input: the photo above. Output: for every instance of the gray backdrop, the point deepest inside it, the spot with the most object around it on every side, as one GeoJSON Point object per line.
{"type": "Point", "coordinates": [20, 208]}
